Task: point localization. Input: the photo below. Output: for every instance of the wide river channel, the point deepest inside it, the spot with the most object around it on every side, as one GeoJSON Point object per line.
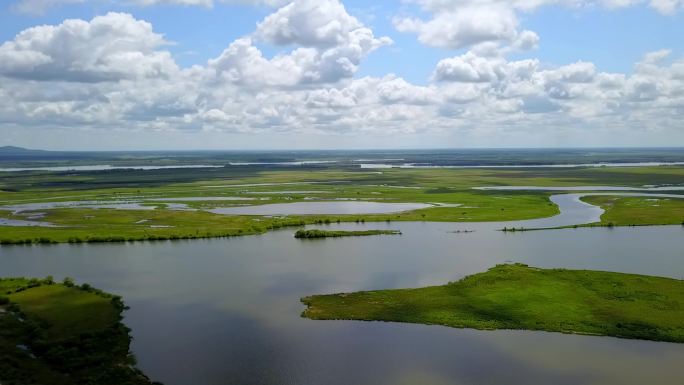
{"type": "Point", "coordinates": [227, 311]}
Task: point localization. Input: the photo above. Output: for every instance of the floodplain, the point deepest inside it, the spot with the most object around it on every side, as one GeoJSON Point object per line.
{"type": "Point", "coordinates": [228, 284]}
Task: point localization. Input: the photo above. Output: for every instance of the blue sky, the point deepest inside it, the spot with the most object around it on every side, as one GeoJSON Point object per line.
{"type": "Point", "coordinates": [614, 40]}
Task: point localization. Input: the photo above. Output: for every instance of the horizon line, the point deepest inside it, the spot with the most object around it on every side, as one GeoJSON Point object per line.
{"type": "Point", "coordinates": [358, 149]}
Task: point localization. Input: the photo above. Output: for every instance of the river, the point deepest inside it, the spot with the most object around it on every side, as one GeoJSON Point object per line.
{"type": "Point", "coordinates": [227, 311]}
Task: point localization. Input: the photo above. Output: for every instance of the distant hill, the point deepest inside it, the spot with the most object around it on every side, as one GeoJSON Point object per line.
{"type": "Point", "coordinates": [13, 150]}
{"type": "Point", "coordinates": [21, 154]}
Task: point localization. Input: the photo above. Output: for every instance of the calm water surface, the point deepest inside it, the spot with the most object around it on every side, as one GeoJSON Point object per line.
{"type": "Point", "coordinates": [331, 208]}
{"type": "Point", "coordinates": [563, 165]}
{"type": "Point", "coordinates": [580, 188]}
{"type": "Point", "coordinates": [21, 222]}
{"type": "Point", "coordinates": [227, 311]}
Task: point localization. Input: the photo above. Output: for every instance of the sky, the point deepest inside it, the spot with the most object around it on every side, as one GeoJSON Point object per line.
{"type": "Point", "coordinates": [330, 74]}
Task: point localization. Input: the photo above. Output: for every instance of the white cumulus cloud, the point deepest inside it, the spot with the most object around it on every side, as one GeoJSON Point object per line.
{"type": "Point", "coordinates": [331, 44]}
{"type": "Point", "coordinates": [109, 47]}
{"type": "Point", "coordinates": [457, 24]}
{"type": "Point", "coordinates": [463, 26]}
{"type": "Point", "coordinates": [114, 72]}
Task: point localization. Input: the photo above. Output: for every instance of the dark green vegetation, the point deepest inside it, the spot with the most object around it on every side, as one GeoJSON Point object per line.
{"type": "Point", "coordinates": [16, 156]}
{"type": "Point", "coordinates": [639, 211]}
{"type": "Point", "coordinates": [106, 225]}
{"type": "Point", "coordinates": [521, 297]}
{"type": "Point", "coordinates": [91, 225]}
{"type": "Point", "coordinates": [280, 184]}
{"type": "Point", "coordinates": [340, 233]}
{"type": "Point", "coordinates": [62, 334]}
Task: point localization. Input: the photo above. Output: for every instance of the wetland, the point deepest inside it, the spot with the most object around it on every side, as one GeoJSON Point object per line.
{"type": "Point", "coordinates": [214, 295]}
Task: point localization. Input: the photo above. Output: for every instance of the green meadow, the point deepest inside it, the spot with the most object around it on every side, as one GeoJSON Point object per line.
{"type": "Point", "coordinates": [63, 334]}
{"type": "Point", "coordinates": [450, 188]}
{"type": "Point", "coordinates": [639, 211]}
{"type": "Point", "coordinates": [520, 297]}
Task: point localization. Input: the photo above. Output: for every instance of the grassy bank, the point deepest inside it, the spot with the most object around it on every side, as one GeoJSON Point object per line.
{"type": "Point", "coordinates": [450, 187]}
{"type": "Point", "coordinates": [62, 334]}
{"type": "Point", "coordinates": [341, 233]}
{"type": "Point", "coordinates": [109, 225]}
{"type": "Point", "coordinates": [522, 297]}
{"type": "Point", "coordinates": [639, 211]}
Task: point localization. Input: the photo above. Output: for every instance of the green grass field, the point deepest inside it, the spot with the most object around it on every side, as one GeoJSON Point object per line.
{"type": "Point", "coordinates": [265, 186]}
{"type": "Point", "coordinates": [639, 211]}
{"type": "Point", "coordinates": [61, 334]}
{"type": "Point", "coordinates": [522, 297]}
{"type": "Point", "coordinates": [66, 310]}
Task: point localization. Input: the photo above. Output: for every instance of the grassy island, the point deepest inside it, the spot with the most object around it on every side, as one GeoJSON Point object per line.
{"type": "Point", "coordinates": [638, 211]}
{"type": "Point", "coordinates": [521, 297]}
{"type": "Point", "coordinates": [63, 334]}
{"type": "Point", "coordinates": [450, 192]}
{"type": "Point", "coordinates": [306, 234]}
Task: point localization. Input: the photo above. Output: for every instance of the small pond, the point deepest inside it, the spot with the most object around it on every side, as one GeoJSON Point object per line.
{"type": "Point", "coordinates": [321, 208]}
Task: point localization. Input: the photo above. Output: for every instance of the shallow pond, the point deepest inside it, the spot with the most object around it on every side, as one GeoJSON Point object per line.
{"type": "Point", "coordinates": [128, 204]}
{"type": "Point", "coordinates": [292, 163]}
{"type": "Point", "coordinates": [113, 204]}
{"type": "Point", "coordinates": [563, 165]}
{"type": "Point", "coordinates": [275, 184]}
{"type": "Point", "coordinates": [226, 311]}
{"type": "Point", "coordinates": [580, 188]}
{"type": "Point", "coordinates": [321, 208]}
{"type": "Point", "coordinates": [287, 192]}
{"type": "Point", "coordinates": [23, 223]}
{"type": "Point", "coordinates": [201, 199]}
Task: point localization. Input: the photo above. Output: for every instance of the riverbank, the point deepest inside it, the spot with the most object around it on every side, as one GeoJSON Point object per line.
{"type": "Point", "coordinates": [520, 297]}
{"type": "Point", "coordinates": [638, 211]}
{"type": "Point", "coordinates": [183, 204]}
{"type": "Point", "coordinates": [83, 225]}
{"type": "Point", "coordinates": [63, 334]}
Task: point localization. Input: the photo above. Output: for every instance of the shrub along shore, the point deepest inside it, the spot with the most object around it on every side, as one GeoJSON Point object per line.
{"type": "Point", "coordinates": [62, 334]}
{"type": "Point", "coordinates": [449, 190]}
{"type": "Point", "coordinates": [306, 234]}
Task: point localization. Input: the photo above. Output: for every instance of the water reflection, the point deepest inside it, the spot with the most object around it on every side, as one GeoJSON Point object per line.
{"type": "Point", "coordinates": [320, 208]}
{"type": "Point", "coordinates": [227, 311]}
{"type": "Point", "coordinates": [24, 223]}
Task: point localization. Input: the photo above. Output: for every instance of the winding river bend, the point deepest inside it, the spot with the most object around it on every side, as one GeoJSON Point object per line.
{"type": "Point", "coordinates": [226, 311]}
